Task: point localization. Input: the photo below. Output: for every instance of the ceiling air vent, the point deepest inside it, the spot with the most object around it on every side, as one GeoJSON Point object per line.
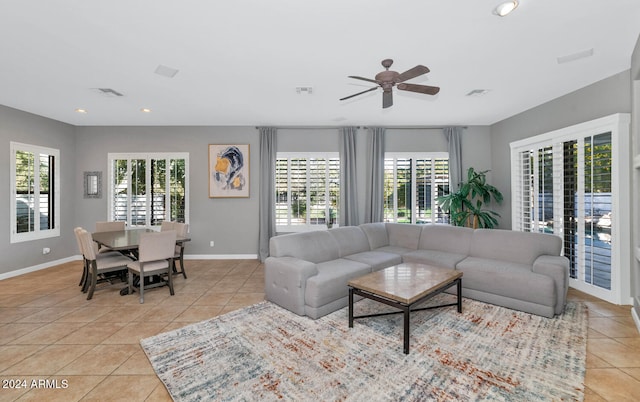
{"type": "Point", "coordinates": [304, 90]}
{"type": "Point", "coordinates": [108, 92]}
{"type": "Point", "coordinates": [166, 71]}
{"type": "Point", "coordinates": [478, 92]}
{"type": "Point", "coordinates": [575, 56]}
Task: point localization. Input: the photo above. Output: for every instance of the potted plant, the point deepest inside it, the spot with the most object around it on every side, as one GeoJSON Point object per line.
{"type": "Point", "coordinates": [466, 207]}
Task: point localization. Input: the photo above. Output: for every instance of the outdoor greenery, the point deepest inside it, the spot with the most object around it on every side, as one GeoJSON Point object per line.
{"type": "Point", "coordinates": [467, 206]}
{"type": "Point", "coordinates": [158, 178]}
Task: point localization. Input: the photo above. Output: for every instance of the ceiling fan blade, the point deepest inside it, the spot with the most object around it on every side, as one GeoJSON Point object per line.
{"type": "Point", "coordinates": [411, 73]}
{"type": "Point", "coordinates": [363, 79]}
{"type": "Point", "coordinates": [360, 93]}
{"type": "Point", "coordinates": [387, 99]}
{"type": "Point", "coordinates": [423, 89]}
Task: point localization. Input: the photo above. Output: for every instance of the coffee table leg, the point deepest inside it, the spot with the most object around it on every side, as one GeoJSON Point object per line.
{"type": "Point", "coordinates": [350, 307]}
{"type": "Point", "coordinates": [459, 295]}
{"type": "Point", "coordinates": [407, 310]}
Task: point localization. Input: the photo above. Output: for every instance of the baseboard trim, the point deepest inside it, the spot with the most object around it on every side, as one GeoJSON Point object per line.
{"type": "Point", "coordinates": [39, 267]}
{"type": "Point", "coordinates": [221, 257]}
{"type": "Point", "coordinates": [50, 264]}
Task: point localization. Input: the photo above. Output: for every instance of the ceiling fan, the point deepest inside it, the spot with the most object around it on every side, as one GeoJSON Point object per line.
{"type": "Point", "coordinates": [388, 79]}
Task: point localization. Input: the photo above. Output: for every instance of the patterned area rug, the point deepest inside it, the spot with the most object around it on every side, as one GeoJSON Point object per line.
{"type": "Point", "coordinates": [264, 352]}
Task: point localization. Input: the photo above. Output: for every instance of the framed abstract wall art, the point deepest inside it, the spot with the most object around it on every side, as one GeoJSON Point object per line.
{"type": "Point", "coordinates": [228, 171]}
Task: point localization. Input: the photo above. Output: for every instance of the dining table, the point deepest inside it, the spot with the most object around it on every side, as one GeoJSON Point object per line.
{"type": "Point", "coordinates": [127, 242]}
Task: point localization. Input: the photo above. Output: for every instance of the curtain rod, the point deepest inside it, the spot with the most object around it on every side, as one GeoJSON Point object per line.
{"type": "Point", "coordinates": [358, 127]}
{"type": "Point", "coordinates": [309, 127]}
{"type": "Point", "coordinates": [415, 127]}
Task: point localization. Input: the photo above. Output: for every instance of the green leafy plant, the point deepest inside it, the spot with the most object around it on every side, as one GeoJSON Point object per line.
{"type": "Point", "coordinates": [466, 207]}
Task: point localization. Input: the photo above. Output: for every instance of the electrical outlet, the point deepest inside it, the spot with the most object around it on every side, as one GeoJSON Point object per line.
{"type": "Point", "coordinates": [46, 250]}
{"type": "Point", "coordinates": [211, 243]}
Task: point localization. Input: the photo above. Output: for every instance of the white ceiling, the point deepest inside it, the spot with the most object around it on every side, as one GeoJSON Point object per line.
{"type": "Point", "coordinates": [240, 61]}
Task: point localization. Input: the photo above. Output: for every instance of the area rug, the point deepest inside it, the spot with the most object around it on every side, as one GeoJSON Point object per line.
{"type": "Point", "coordinates": [264, 352]}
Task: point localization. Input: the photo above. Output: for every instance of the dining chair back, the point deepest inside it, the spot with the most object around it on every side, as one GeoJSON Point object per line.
{"type": "Point", "coordinates": [167, 225]}
{"type": "Point", "coordinates": [155, 258]}
{"type": "Point", "coordinates": [98, 264]}
{"type": "Point", "coordinates": [109, 226]}
{"type": "Point", "coordinates": [182, 229]}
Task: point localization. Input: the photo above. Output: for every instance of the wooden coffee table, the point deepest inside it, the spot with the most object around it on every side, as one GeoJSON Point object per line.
{"type": "Point", "coordinates": [404, 286]}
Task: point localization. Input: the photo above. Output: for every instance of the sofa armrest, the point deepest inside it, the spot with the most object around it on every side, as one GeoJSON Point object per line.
{"type": "Point", "coordinates": [556, 267]}
{"type": "Point", "coordinates": [285, 281]}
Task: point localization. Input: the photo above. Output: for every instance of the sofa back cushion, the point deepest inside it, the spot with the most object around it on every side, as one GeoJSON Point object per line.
{"type": "Point", "coordinates": [350, 239]}
{"type": "Point", "coordinates": [404, 235]}
{"type": "Point", "coordinates": [317, 246]}
{"type": "Point", "coordinates": [376, 234]}
{"type": "Point", "coordinates": [452, 239]}
{"type": "Point", "coordinates": [513, 246]}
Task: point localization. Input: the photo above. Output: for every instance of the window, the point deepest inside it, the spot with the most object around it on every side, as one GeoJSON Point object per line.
{"type": "Point", "coordinates": [35, 189]}
{"type": "Point", "coordinates": [147, 189]}
{"type": "Point", "coordinates": [570, 183]}
{"type": "Point", "coordinates": [307, 190]}
{"type": "Point", "coordinates": [412, 183]}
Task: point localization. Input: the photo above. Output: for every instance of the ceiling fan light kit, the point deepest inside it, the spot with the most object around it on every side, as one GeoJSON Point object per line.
{"type": "Point", "coordinates": [387, 79]}
{"type": "Point", "coordinates": [505, 8]}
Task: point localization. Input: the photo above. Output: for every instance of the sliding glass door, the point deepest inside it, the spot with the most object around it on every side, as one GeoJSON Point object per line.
{"type": "Point", "coordinates": [574, 183]}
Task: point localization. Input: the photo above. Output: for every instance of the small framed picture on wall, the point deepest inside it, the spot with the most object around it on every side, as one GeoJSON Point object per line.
{"type": "Point", "coordinates": [228, 171]}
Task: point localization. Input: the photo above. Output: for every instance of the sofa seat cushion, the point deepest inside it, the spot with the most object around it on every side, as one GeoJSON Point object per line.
{"type": "Point", "coordinates": [377, 260]}
{"type": "Point", "coordinates": [394, 250]}
{"type": "Point", "coordinates": [512, 280]}
{"type": "Point", "coordinates": [331, 282]}
{"type": "Point", "coordinates": [434, 257]}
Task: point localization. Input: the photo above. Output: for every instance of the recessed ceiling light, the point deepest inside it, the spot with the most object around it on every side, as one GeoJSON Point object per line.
{"type": "Point", "coordinates": [505, 8]}
{"type": "Point", "coordinates": [83, 111]}
{"type": "Point", "coordinates": [145, 110]}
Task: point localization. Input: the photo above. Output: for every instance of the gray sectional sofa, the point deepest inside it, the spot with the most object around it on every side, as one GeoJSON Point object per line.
{"type": "Point", "coordinates": [307, 273]}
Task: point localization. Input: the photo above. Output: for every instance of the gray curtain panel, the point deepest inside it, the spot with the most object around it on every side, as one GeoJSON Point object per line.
{"type": "Point", "coordinates": [454, 136]}
{"type": "Point", "coordinates": [374, 208]}
{"type": "Point", "coordinates": [267, 208]}
{"type": "Point", "coordinates": [348, 182]}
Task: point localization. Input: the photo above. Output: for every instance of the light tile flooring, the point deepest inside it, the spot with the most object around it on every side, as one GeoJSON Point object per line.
{"type": "Point", "coordinates": [89, 350]}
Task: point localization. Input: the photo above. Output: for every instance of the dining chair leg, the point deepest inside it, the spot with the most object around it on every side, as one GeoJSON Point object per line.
{"type": "Point", "coordinates": [184, 273]}
{"type": "Point", "coordinates": [87, 279]}
{"type": "Point", "coordinates": [84, 273]}
{"type": "Point", "coordinates": [94, 280]}
{"type": "Point", "coordinates": [172, 264]}
{"type": "Point", "coordinates": [141, 288]}
{"type": "Point", "coordinates": [131, 275]}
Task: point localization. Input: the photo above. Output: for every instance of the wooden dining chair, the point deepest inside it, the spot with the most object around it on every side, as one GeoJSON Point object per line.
{"type": "Point", "coordinates": [98, 265]}
{"type": "Point", "coordinates": [155, 257]}
{"type": "Point", "coordinates": [182, 229]}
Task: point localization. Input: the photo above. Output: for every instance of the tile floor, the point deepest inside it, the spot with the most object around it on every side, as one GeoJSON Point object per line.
{"type": "Point", "coordinates": [89, 350]}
